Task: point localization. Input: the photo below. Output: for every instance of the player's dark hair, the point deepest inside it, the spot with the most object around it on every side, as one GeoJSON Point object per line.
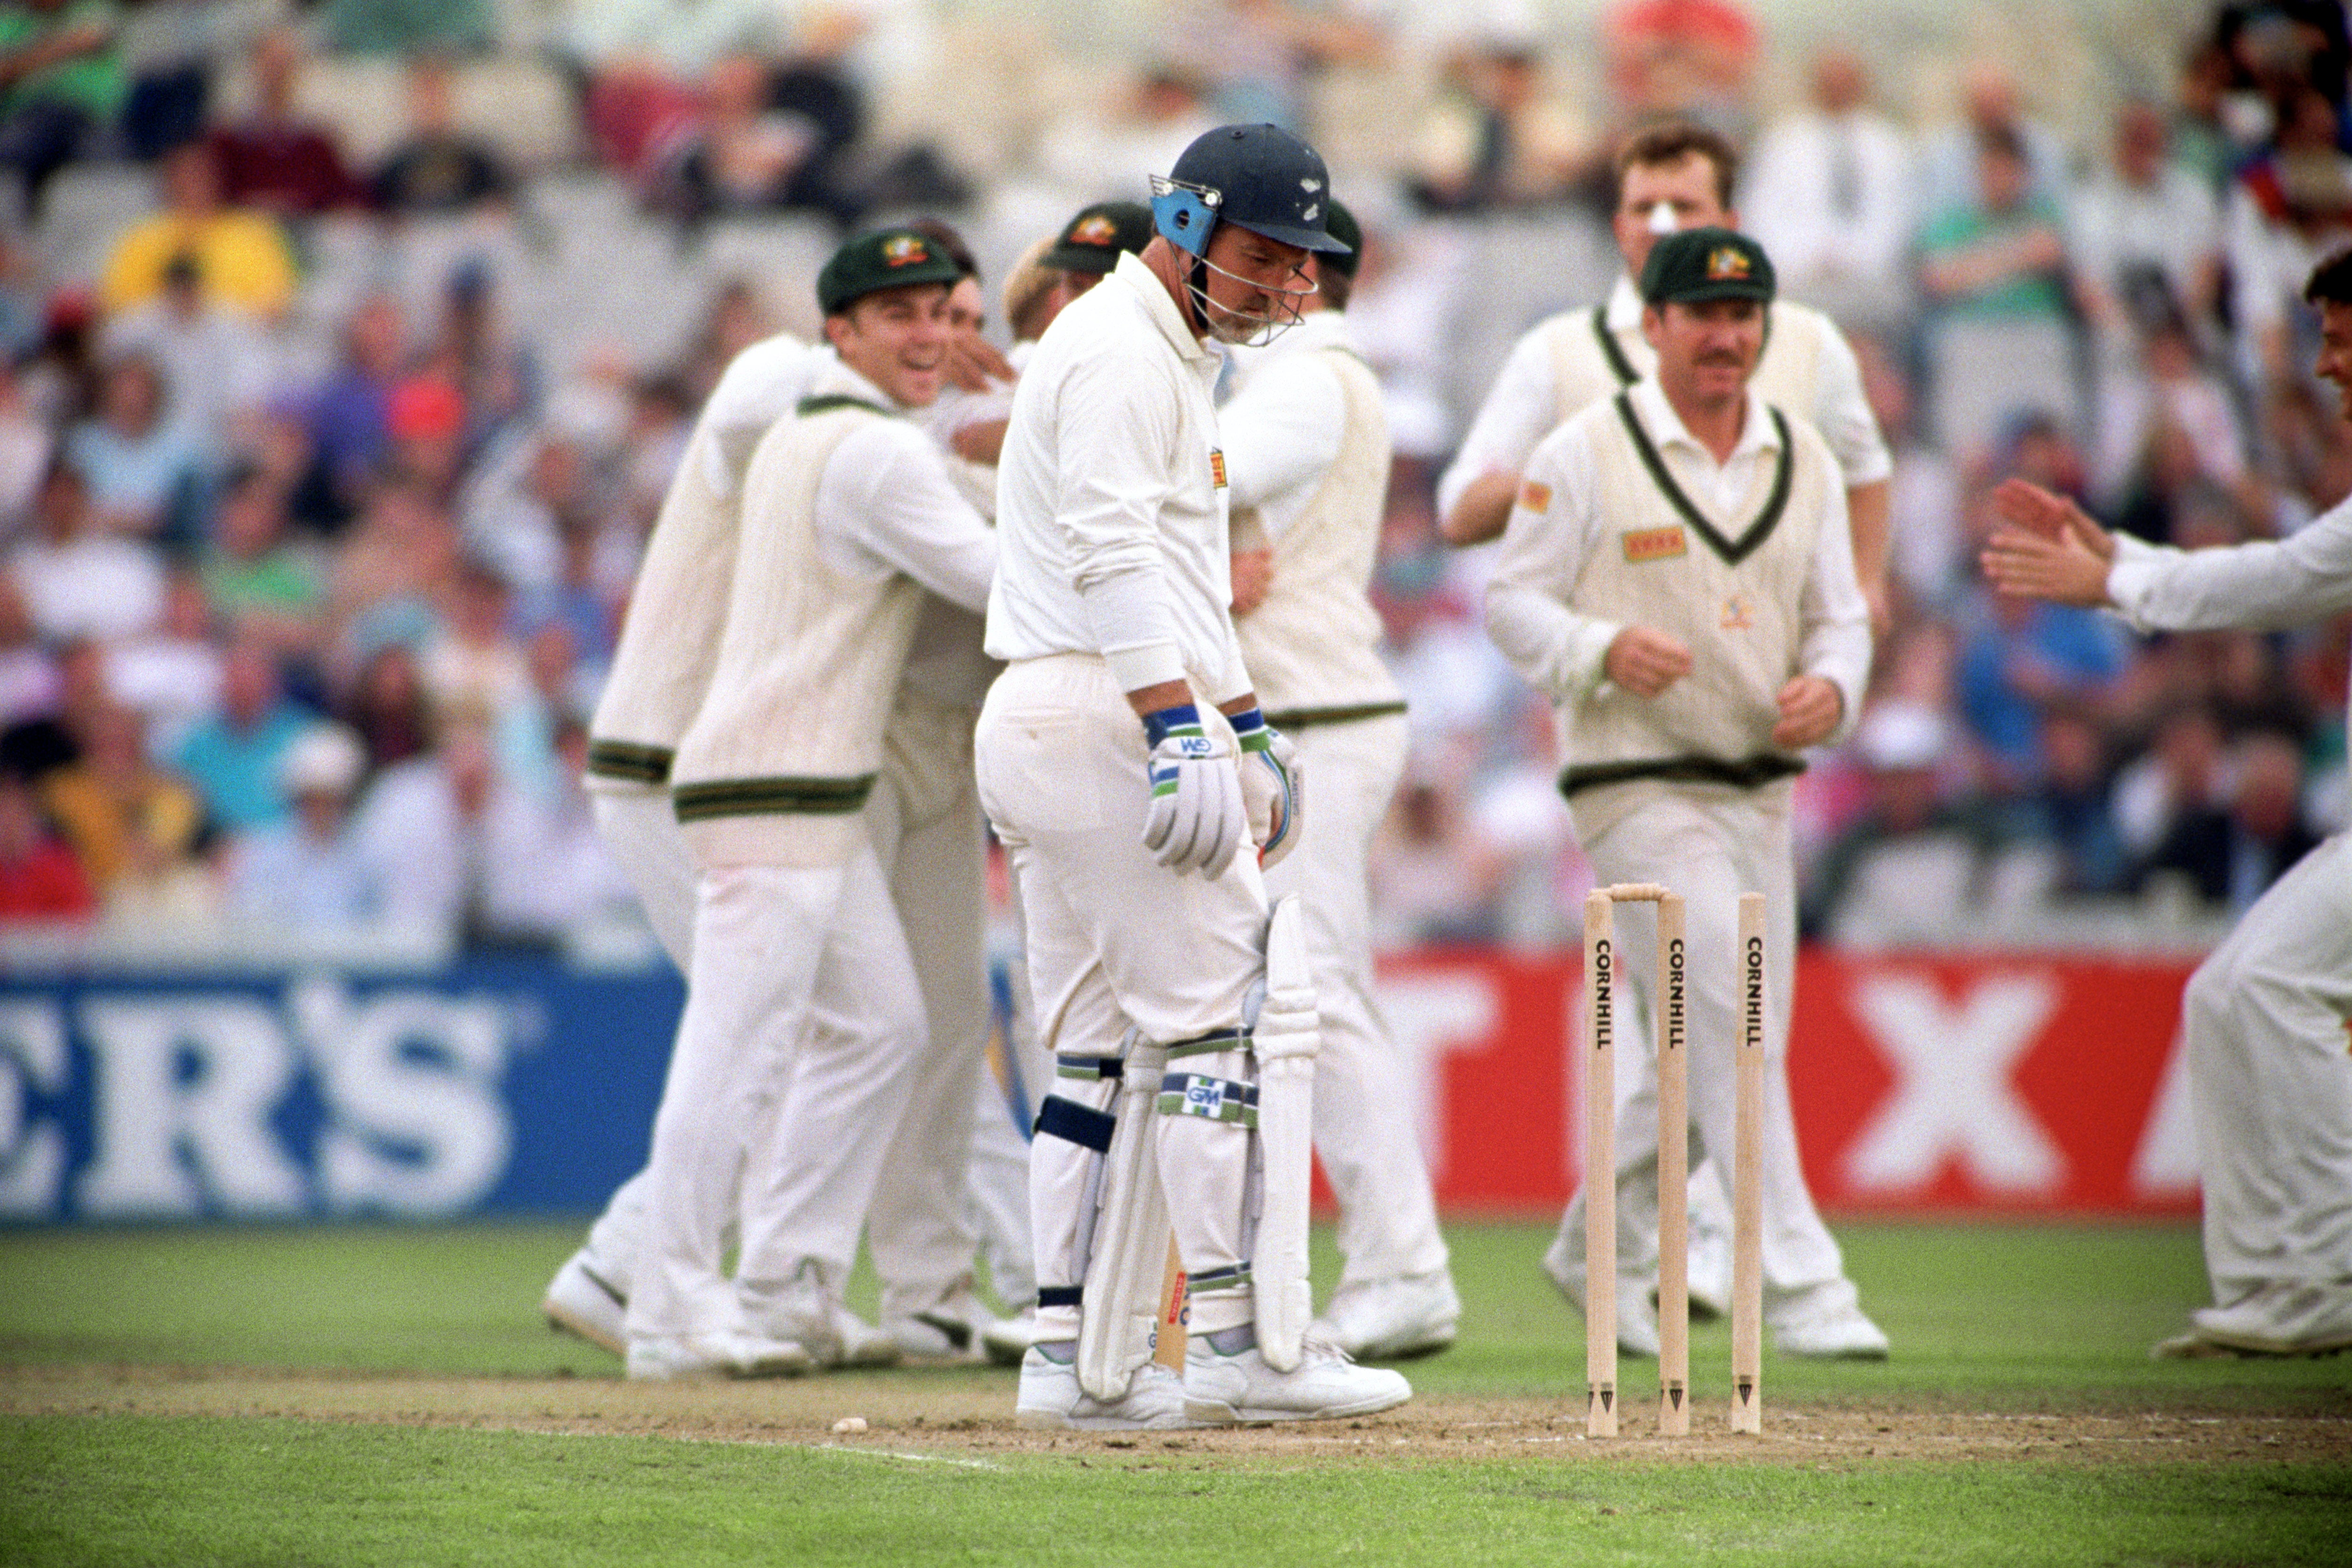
{"type": "Point", "coordinates": [1334, 286]}
{"type": "Point", "coordinates": [944, 236]}
{"type": "Point", "coordinates": [1670, 141]}
{"type": "Point", "coordinates": [2331, 281]}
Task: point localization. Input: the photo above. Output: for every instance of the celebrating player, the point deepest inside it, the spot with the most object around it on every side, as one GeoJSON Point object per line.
{"type": "Point", "coordinates": [1672, 176]}
{"type": "Point", "coordinates": [1126, 766]}
{"type": "Point", "coordinates": [2264, 1015]}
{"type": "Point", "coordinates": [660, 671]}
{"type": "Point", "coordinates": [1677, 577]}
{"type": "Point", "coordinates": [848, 516]}
{"type": "Point", "coordinates": [1307, 451]}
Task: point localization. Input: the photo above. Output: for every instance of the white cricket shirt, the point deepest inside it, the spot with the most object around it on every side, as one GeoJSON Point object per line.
{"type": "Point", "coordinates": [1110, 497]}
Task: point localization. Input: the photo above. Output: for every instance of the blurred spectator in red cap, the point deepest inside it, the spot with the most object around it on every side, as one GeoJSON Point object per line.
{"type": "Point", "coordinates": [425, 419]}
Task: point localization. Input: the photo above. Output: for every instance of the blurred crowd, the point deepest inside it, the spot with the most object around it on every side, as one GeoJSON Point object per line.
{"type": "Point", "coordinates": [346, 352]}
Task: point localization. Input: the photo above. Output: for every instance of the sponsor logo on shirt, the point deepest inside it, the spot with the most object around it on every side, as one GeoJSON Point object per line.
{"type": "Point", "coordinates": [1217, 467]}
{"type": "Point", "coordinates": [1656, 544]}
{"type": "Point", "coordinates": [1535, 497]}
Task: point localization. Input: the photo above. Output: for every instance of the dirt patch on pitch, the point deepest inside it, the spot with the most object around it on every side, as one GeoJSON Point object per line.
{"type": "Point", "coordinates": [965, 1415]}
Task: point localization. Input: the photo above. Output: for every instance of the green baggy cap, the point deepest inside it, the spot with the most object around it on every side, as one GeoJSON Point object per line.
{"type": "Point", "coordinates": [887, 258]}
{"type": "Point", "coordinates": [1094, 237]}
{"type": "Point", "coordinates": [1707, 264]}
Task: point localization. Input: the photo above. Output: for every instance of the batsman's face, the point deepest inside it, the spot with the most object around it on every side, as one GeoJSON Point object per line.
{"type": "Point", "coordinates": [2334, 362]}
{"type": "Point", "coordinates": [1252, 280]}
{"type": "Point", "coordinates": [1706, 349]}
{"type": "Point", "coordinates": [897, 339]}
{"type": "Point", "coordinates": [1665, 198]}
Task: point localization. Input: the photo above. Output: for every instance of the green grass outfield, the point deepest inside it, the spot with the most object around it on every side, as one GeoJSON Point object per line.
{"type": "Point", "coordinates": [389, 1356]}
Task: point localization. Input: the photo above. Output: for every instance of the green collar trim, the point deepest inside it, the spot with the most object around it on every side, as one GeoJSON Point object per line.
{"type": "Point", "coordinates": [1733, 551]}
{"type": "Point", "coordinates": [1619, 365]}
{"type": "Point", "coordinates": [831, 401]}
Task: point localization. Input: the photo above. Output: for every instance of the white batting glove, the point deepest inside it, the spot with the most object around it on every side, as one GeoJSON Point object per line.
{"type": "Point", "coordinates": [1273, 786]}
{"type": "Point", "coordinates": [1197, 821]}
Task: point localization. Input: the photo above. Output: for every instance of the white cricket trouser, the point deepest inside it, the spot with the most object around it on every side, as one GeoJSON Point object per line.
{"type": "Point", "coordinates": [639, 830]}
{"type": "Point", "coordinates": [1711, 845]}
{"type": "Point", "coordinates": [1364, 1131]}
{"type": "Point", "coordinates": [2271, 1080]}
{"type": "Point", "coordinates": [756, 1032]}
{"type": "Point", "coordinates": [1113, 938]}
{"type": "Point", "coordinates": [924, 818]}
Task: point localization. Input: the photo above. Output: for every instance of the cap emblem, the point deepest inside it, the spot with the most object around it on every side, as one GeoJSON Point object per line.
{"type": "Point", "coordinates": [1095, 230]}
{"type": "Point", "coordinates": [904, 250]}
{"type": "Point", "coordinates": [1726, 263]}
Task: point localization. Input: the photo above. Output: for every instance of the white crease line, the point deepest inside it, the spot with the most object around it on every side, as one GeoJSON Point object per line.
{"type": "Point", "coordinates": [900, 1454]}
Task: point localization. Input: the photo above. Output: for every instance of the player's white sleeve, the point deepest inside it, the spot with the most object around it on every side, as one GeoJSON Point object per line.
{"type": "Point", "coordinates": [1841, 413]}
{"type": "Point", "coordinates": [1555, 650]}
{"type": "Point", "coordinates": [1281, 434]}
{"type": "Point", "coordinates": [1520, 410]}
{"type": "Point", "coordinates": [1833, 618]}
{"type": "Point", "coordinates": [2266, 583]}
{"type": "Point", "coordinates": [885, 498]}
{"type": "Point", "coordinates": [1112, 479]}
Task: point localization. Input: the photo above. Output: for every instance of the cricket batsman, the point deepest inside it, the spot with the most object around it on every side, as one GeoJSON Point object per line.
{"type": "Point", "coordinates": [1133, 781]}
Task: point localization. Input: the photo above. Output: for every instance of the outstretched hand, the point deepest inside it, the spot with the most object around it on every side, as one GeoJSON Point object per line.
{"type": "Point", "coordinates": [2048, 548]}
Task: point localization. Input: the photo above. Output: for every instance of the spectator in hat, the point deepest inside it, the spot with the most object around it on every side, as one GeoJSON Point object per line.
{"type": "Point", "coordinates": [306, 871]}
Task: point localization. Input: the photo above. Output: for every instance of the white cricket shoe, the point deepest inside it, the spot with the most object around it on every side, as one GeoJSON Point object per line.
{"type": "Point", "coordinates": [1637, 1311]}
{"type": "Point", "coordinates": [1826, 1323]}
{"type": "Point", "coordinates": [2289, 1317]}
{"type": "Point", "coordinates": [1392, 1318]}
{"type": "Point", "coordinates": [582, 1301]}
{"type": "Point", "coordinates": [729, 1353]}
{"type": "Point", "coordinates": [1052, 1399]}
{"type": "Point", "coordinates": [1007, 1339]}
{"type": "Point", "coordinates": [1224, 1385]}
{"type": "Point", "coordinates": [950, 1328]}
{"type": "Point", "coordinates": [807, 1311]}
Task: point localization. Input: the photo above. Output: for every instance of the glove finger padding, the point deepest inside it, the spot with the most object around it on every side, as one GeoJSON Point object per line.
{"type": "Point", "coordinates": [1196, 820]}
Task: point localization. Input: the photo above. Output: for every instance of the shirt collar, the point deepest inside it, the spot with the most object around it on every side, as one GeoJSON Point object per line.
{"type": "Point", "coordinates": [838, 379]}
{"type": "Point", "coordinates": [1666, 428]}
{"type": "Point", "coordinates": [1623, 310]}
{"type": "Point", "coordinates": [1160, 307]}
